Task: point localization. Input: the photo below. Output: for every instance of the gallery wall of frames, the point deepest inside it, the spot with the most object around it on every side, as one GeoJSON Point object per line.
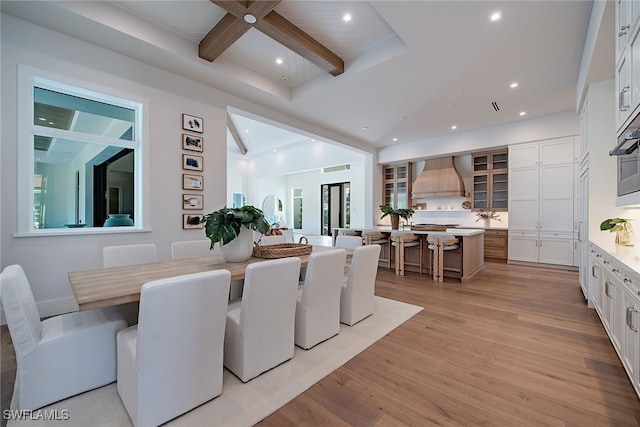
{"type": "Point", "coordinates": [193, 168]}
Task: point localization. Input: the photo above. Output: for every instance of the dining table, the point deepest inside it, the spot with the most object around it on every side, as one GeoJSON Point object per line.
{"type": "Point", "coordinates": [105, 287]}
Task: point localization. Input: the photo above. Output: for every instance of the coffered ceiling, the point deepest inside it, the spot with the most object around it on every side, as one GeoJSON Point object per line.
{"type": "Point", "coordinates": [412, 69]}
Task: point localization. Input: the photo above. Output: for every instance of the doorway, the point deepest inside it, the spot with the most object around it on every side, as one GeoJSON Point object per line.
{"type": "Point", "coordinates": [335, 207]}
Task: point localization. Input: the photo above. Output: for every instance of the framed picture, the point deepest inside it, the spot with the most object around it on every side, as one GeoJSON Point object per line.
{"type": "Point", "coordinates": [192, 201]}
{"type": "Point", "coordinates": [191, 162]}
{"type": "Point", "coordinates": [192, 142]}
{"type": "Point", "coordinates": [191, 221]}
{"type": "Point", "coordinates": [192, 123]}
{"type": "Point", "coordinates": [192, 182]}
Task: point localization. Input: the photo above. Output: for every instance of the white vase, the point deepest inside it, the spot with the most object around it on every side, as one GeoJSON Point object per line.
{"type": "Point", "coordinates": [487, 223]}
{"type": "Point", "coordinates": [240, 248]}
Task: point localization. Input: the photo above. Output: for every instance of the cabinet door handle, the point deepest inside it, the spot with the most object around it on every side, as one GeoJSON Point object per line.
{"type": "Point", "coordinates": [623, 30]}
{"type": "Point", "coordinates": [615, 270]}
{"type": "Point", "coordinates": [621, 104]}
{"type": "Point", "coordinates": [606, 289]}
{"type": "Point", "coordinates": [625, 280]}
{"type": "Point", "coordinates": [593, 272]}
{"type": "Point", "coordinates": [630, 311]}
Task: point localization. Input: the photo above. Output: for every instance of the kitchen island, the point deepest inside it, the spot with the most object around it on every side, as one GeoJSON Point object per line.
{"type": "Point", "coordinates": [464, 263]}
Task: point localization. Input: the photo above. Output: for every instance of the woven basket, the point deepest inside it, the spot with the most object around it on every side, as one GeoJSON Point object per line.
{"type": "Point", "coordinates": [282, 250]}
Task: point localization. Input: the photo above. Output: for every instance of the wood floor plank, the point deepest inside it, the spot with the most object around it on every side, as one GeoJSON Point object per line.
{"type": "Point", "coordinates": [516, 346]}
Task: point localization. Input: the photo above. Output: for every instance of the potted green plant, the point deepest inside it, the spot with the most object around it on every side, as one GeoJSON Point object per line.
{"type": "Point", "coordinates": [396, 214]}
{"type": "Point", "coordinates": [622, 228]}
{"type": "Point", "coordinates": [233, 229]}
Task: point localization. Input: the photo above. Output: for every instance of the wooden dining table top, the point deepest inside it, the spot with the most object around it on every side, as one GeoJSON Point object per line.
{"type": "Point", "coordinates": [105, 287]}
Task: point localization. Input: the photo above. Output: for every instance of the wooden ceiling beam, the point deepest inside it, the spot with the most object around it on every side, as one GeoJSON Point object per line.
{"type": "Point", "coordinates": [232, 26]}
{"type": "Point", "coordinates": [226, 32]}
{"type": "Point", "coordinates": [283, 31]}
{"type": "Point", "coordinates": [236, 135]}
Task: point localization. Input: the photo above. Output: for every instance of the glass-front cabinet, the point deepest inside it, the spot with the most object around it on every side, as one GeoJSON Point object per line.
{"type": "Point", "coordinates": [490, 180]}
{"type": "Point", "coordinates": [396, 185]}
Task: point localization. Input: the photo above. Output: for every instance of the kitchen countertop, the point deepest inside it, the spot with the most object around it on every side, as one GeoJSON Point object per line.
{"type": "Point", "coordinates": [460, 232]}
{"type": "Point", "coordinates": [627, 255]}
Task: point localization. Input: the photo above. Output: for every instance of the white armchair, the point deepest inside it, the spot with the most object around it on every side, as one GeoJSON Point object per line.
{"type": "Point", "coordinates": [318, 305]}
{"type": "Point", "coordinates": [272, 240]}
{"type": "Point", "coordinates": [357, 299]}
{"type": "Point", "coordinates": [61, 356]}
{"type": "Point", "coordinates": [171, 361]}
{"type": "Point", "coordinates": [119, 256]}
{"type": "Point", "coordinates": [193, 248]}
{"type": "Point", "coordinates": [348, 242]}
{"type": "Point", "coordinates": [260, 327]}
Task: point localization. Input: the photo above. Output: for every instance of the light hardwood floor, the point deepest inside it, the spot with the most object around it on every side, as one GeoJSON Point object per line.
{"type": "Point", "coordinates": [515, 347]}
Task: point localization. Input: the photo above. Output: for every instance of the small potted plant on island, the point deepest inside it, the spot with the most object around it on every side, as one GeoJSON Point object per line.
{"type": "Point", "coordinates": [623, 229]}
{"type": "Point", "coordinates": [233, 229]}
{"type": "Point", "coordinates": [395, 215]}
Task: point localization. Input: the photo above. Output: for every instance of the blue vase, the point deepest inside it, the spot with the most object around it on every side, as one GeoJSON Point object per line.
{"type": "Point", "coordinates": [118, 220]}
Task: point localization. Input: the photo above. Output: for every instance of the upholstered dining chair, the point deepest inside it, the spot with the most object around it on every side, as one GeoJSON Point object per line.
{"type": "Point", "coordinates": [192, 249]}
{"type": "Point", "coordinates": [272, 240]}
{"type": "Point", "coordinates": [357, 298]}
{"type": "Point", "coordinates": [260, 326]}
{"type": "Point", "coordinates": [318, 304]}
{"type": "Point", "coordinates": [171, 361]}
{"type": "Point", "coordinates": [119, 256]}
{"type": "Point", "coordinates": [348, 242]}
{"type": "Point", "coordinates": [61, 356]}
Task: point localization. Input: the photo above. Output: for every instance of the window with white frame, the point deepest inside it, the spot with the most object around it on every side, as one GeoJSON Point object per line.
{"type": "Point", "coordinates": [83, 158]}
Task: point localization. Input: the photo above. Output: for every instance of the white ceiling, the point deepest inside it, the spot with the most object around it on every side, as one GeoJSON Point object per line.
{"type": "Point", "coordinates": [413, 69]}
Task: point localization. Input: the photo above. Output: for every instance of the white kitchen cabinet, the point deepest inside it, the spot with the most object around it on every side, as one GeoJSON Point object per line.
{"type": "Point", "coordinates": [541, 202]}
{"type": "Point", "coordinates": [617, 302]}
{"type": "Point", "coordinates": [583, 235]}
{"type": "Point", "coordinates": [627, 60]}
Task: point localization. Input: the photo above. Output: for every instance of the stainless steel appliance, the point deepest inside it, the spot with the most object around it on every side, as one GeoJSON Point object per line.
{"type": "Point", "coordinates": [628, 158]}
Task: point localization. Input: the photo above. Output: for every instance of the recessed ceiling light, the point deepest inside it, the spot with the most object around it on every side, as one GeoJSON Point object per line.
{"type": "Point", "coordinates": [522, 113]}
{"type": "Point", "coordinates": [365, 128]}
{"type": "Point", "coordinates": [496, 16]}
{"type": "Point", "coordinates": [513, 85]}
{"type": "Point", "coordinates": [346, 17]}
{"type": "Point", "coordinates": [51, 123]}
{"type": "Point", "coordinates": [249, 18]}
{"type": "Point", "coordinates": [454, 127]}
{"type": "Point", "coordinates": [279, 61]}
{"type": "Point", "coordinates": [395, 139]}
{"type": "Point", "coordinates": [274, 150]}
{"type": "Point", "coordinates": [42, 119]}
{"type": "Point", "coordinates": [246, 131]}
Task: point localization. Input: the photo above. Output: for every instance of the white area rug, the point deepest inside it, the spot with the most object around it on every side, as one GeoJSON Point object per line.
{"type": "Point", "coordinates": [242, 404]}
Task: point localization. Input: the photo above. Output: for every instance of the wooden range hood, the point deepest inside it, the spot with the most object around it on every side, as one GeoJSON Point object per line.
{"type": "Point", "coordinates": [439, 178]}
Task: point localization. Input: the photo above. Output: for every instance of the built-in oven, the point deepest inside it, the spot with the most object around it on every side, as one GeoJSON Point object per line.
{"type": "Point", "coordinates": [628, 158]}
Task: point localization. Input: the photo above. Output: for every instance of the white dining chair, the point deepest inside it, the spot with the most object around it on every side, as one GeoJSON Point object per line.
{"type": "Point", "coordinates": [171, 361]}
{"type": "Point", "coordinates": [318, 304]}
{"type": "Point", "coordinates": [272, 240]}
{"type": "Point", "coordinates": [348, 242]}
{"type": "Point", "coordinates": [61, 356]}
{"type": "Point", "coordinates": [358, 291]}
{"type": "Point", "coordinates": [193, 248]}
{"type": "Point", "coordinates": [260, 326]}
{"type": "Point", "coordinates": [125, 255]}
{"type": "Point", "coordinates": [119, 256]}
